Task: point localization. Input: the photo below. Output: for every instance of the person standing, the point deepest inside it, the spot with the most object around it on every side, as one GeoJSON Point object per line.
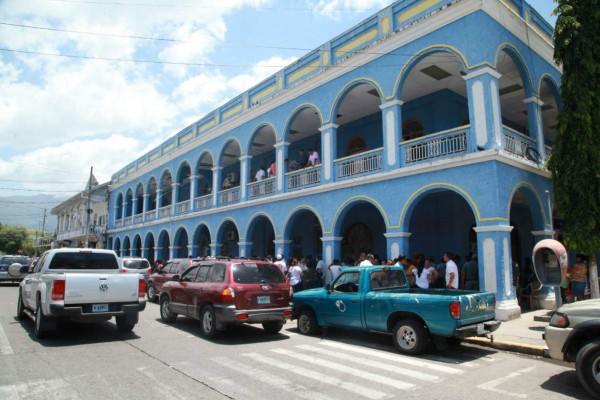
{"type": "Point", "coordinates": [334, 270]}
{"type": "Point", "coordinates": [295, 275]}
{"type": "Point", "coordinates": [578, 275]}
{"type": "Point", "coordinates": [280, 262]}
{"type": "Point", "coordinates": [368, 262]}
{"type": "Point", "coordinates": [321, 270]}
{"type": "Point", "coordinates": [313, 158]}
{"type": "Point", "coordinates": [470, 274]}
{"type": "Point", "coordinates": [451, 271]}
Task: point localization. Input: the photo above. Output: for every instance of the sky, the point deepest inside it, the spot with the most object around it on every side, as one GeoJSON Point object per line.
{"type": "Point", "coordinates": [98, 83]}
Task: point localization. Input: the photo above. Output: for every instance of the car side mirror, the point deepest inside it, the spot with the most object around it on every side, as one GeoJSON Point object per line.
{"type": "Point", "coordinates": [24, 269]}
{"type": "Point", "coordinates": [176, 277]}
{"type": "Point", "coordinates": [328, 288]}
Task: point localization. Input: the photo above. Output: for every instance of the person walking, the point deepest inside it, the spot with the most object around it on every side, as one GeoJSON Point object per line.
{"type": "Point", "coordinates": [451, 271]}
{"type": "Point", "coordinates": [578, 276]}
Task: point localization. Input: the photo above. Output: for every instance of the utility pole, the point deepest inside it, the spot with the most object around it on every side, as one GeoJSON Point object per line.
{"type": "Point", "coordinates": [87, 211]}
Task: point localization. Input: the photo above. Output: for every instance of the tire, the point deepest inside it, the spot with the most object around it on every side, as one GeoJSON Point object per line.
{"type": "Point", "coordinates": [587, 365]}
{"type": "Point", "coordinates": [122, 325]}
{"type": "Point", "coordinates": [208, 323]}
{"type": "Point", "coordinates": [151, 293]}
{"type": "Point", "coordinates": [21, 307]}
{"type": "Point", "coordinates": [40, 321]}
{"type": "Point", "coordinates": [165, 310]}
{"type": "Point", "coordinates": [307, 322]}
{"type": "Point", "coordinates": [410, 337]}
{"type": "Point", "coordinates": [272, 327]}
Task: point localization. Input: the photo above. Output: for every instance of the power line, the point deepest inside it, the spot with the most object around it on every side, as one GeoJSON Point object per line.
{"type": "Point", "coordinates": [22, 181]}
{"type": "Point", "coordinates": [42, 190]}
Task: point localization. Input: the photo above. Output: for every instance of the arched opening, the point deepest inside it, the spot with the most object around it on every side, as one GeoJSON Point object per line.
{"type": "Point", "coordinates": [139, 199]}
{"type": "Point", "coordinates": [442, 221]}
{"type": "Point", "coordinates": [229, 237]}
{"type": "Point", "coordinates": [183, 179]}
{"type": "Point", "coordinates": [262, 236]}
{"type": "Point", "coordinates": [117, 246]}
{"type": "Point", "coordinates": [550, 109]}
{"type": "Point", "coordinates": [362, 227]}
{"type": "Point", "coordinates": [230, 173]}
{"type": "Point", "coordinates": [303, 134]}
{"type": "Point", "coordinates": [149, 245]}
{"type": "Point", "coordinates": [136, 250]}
{"type": "Point", "coordinates": [119, 210]}
{"type": "Point", "coordinates": [152, 200]}
{"type": "Point", "coordinates": [202, 240]}
{"type": "Point", "coordinates": [204, 177]}
{"type": "Point", "coordinates": [166, 190]}
{"type": "Point", "coordinates": [512, 90]}
{"type": "Point", "coordinates": [181, 244]}
{"type": "Point", "coordinates": [262, 150]}
{"type": "Point", "coordinates": [164, 244]}
{"type": "Point", "coordinates": [128, 203]}
{"type": "Point", "coordinates": [126, 250]}
{"type": "Point", "coordinates": [305, 231]}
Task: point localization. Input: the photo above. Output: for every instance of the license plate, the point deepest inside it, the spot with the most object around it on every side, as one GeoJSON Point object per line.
{"type": "Point", "coordinates": [263, 299]}
{"type": "Point", "coordinates": [480, 329]}
{"type": "Point", "coordinates": [99, 307]}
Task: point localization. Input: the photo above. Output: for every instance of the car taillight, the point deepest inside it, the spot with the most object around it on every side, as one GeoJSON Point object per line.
{"type": "Point", "coordinates": [142, 289]}
{"type": "Point", "coordinates": [455, 309]}
{"type": "Point", "coordinates": [58, 290]}
{"type": "Point", "coordinates": [124, 270]}
{"type": "Point", "coordinates": [227, 295]}
{"type": "Point", "coordinates": [287, 314]}
{"type": "Point", "coordinates": [242, 316]}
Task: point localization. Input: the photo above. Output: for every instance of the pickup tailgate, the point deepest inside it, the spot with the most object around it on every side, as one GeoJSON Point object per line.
{"type": "Point", "coordinates": [85, 288]}
{"type": "Point", "coordinates": [477, 307]}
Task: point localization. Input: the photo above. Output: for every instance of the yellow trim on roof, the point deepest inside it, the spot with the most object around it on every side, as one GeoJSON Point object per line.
{"type": "Point", "coordinates": [303, 71]}
{"type": "Point", "coordinates": [187, 137]}
{"type": "Point", "coordinates": [360, 40]}
{"type": "Point", "coordinates": [264, 93]}
{"type": "Point", "coordinates": [232, 111]}
{"type": "Point", "coordinates": [418, 9]}
{"type": "Point", "coordinates": [207, 125]}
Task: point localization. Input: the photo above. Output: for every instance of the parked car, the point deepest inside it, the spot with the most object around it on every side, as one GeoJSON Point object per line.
{"type": "Point", "coordinates": [13, 274]}
{"type": "Point", "coordinates": [379, 299]}
{"type": "Point", "coordinates": [222, 292]}
{"type": "Point", "coordinates": [136, 264]}
{"type": "Point", "coordinates": [171, 268]}
{"type": "Point", "coordinates": [80, 285]}
{"type": "Point", "coordinates": [574, 335]}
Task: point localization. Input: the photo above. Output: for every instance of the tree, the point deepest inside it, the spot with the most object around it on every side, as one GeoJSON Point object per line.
{"type": "Point", "coordinates": [12, 239]}
{"type": "Point", "coordinates": [575, 159]}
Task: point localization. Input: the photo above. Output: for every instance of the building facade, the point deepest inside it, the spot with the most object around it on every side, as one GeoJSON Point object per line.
{"type": "Point", "coordinates": [82, 222]}
{"type": "Point", "coordinates": [432, 121]}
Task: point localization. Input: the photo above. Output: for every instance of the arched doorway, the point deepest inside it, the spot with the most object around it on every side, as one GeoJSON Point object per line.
{"type": "Point", "coordinates": [362, 227]}
{"type": "Point", "coordinates": [305, 231]}
{"type": "Point", "coordinates": [229, 238]}
{"type": "Point", "coordinates": [181, 244]}
{"type": "Point", "coordinates": [262, 236]}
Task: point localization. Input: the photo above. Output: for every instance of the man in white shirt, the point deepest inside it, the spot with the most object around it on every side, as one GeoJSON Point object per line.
{"type": "Point", "coordinates": [368, 262]}
{"type": "Point", "coordinates": [281, 263]}
{"type": "Point", "coordinates": [261, 174]}
{"type": "Point", "coordinates": [313, 158]}
{"type": "Point", "coordinates": [451, 271]}
{"type": "Point", "coordinates": [335, 268]}
{"type": "Point", "coordinates": [321, 269]}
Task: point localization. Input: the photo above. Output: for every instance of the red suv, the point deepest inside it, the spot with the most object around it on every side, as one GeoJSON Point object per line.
{"type": "Point", "coordinates": [172, 267]}
{"type": "Point", "coordinates": [222, 291]}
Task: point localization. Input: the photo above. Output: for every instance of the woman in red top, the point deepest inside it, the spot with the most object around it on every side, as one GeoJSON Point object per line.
{"type": "Point", "coordinates": [578, 276]}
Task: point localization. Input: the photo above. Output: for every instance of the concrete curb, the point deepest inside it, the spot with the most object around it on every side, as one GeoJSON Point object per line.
{"type": "Point", "coordinates": [523, 348]}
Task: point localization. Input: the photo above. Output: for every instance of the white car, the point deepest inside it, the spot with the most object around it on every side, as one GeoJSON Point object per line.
{"type": "Point", "coordinates": [574, 335]}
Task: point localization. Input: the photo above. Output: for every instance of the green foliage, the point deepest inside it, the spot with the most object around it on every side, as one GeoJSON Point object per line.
{"type": "Point", "coordinates": [12, 239]}
{"type": "Point", "coordinates": [575, 159]}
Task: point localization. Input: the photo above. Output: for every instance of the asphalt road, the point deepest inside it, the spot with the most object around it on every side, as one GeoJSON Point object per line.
{"type": "Point", "coordinates": [160, 361]}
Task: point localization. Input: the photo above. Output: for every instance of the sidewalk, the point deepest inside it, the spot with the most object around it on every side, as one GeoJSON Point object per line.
{"type": "Point", "coordinates": [521, 335]}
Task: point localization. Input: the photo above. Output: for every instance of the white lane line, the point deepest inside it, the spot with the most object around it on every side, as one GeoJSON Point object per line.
{"type": "Point", "coordinates": [270, 379]}
{"type": "Point", "coordinates": [373, 364]}
{"type": "Point", "coordinates": [5, 348]}
{"type": "Point", "coordinates": [491, 385]}
{"type": "Point", "coordinates": [377, 379]}
{"type": "Point", "coordinates": [360, 390]}
{"type": "Point", "coordinates": [397, 358]}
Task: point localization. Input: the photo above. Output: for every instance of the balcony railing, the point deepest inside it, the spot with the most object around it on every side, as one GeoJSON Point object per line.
{"type": "Point", "coordinates": [150, 215]}
{"type": "Point", "coordinates": [516, 143]}
{"type": "Point", "coordinates": [359, 164]}
{"type": "Point", "coordinates": [229, 196]}
{"type": "Point", "coordinates": [119, 223]}
{"type": "Point", "coordinates": [137, 219]}
{"type": "Point", "coordinates": [165, 211]}
{"type": "Point", "coordinates": [203, 202]}
{"type": "Point", "coordinates": [182, 207]}
{"type": "Point", "coordinates": [127, 221]}
{"type": "Point", "coordinates": [436, 145]}
{"type": "Point", "coordinates": [261, 188]}
{"type": "Point", "coordinates": [303, 178]}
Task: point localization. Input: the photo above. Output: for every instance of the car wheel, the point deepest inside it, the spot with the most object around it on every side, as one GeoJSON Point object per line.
{"type": "Point", "coordinates": [122, 325]}
{"type": "Point", "coordinates": [272, 327]}
{"type": "Point", "coordinates": [410, 336]}
{"type": "Point", "coordinates": [166, 314]}
{"type": "Point", "coordinates": [587, 365]}
{"type": "Point", "coordinates": [307, 322]}
{"type": "Point", "coordinates": [20, 307]}
{"type": "Point", "coordinates": [151, 293]}
{"type": "Point", "coordinates": [40, 322]}
{"type": "Point", "coordinates": [208, 323]}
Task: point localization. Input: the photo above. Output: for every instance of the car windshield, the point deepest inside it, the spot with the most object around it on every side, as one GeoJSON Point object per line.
{"type": "Point", "coordinates": [136, 264]}
{"type": "Point", "coordinates": [12, 260]}
{"type": "Point", "coordinates": [83, 260]}
{"type": "Point", "coordinates": [257, 273]}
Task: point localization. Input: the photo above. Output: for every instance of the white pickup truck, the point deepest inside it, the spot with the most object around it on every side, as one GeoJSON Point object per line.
{"type": "Point", "coordinates": [81, 285]}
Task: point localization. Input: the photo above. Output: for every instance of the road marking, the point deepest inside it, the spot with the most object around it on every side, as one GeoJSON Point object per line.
{"type": "Point", "coordinates": [48, 388]}
{"type": "Point", "coordinates": [5, 348]}
{"type": "Point", "coordinates": [491, 385]}
{"type": "Point", "coordinates": [270, 379]}
{"type": "Point", "coordinates": [397, 358]}
{"type": "Point", "coordinates": [373, 364]}
{"type": "Point", "coordinates": [360, 390]}
{"type": "Point", "coordinates": [377, 379]}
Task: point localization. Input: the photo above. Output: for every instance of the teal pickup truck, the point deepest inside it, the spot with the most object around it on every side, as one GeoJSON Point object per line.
{"type": "Point", "coordinates": [379, 299]}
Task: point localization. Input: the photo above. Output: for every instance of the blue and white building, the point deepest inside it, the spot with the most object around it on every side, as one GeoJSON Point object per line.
{"type": "Point", "coordinates": [433, 120]}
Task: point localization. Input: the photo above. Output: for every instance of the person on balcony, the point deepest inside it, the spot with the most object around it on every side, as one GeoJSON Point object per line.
{"type": "Point", "coordinates": [260, 174]}
{"type": "Point", "coordinates": [302, 160]}
{"type": "Point", "coordinates": [272, 169]}
{"type": "Point", "coordinates": [313, 158]}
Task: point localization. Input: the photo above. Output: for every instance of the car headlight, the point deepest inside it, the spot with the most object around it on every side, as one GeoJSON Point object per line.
{"type": "Point", "coordinates": [559, 320]}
